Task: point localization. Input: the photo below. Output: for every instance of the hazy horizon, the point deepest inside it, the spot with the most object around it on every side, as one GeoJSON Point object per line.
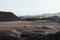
{"type": "Point", "coordinates": [30, 7]}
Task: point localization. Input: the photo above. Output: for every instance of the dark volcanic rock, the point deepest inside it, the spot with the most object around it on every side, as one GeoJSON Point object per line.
{"type": "Point", "coordinates": [55, 36]}
{"type": "Point", "coordinates": [8, 16]}
{"type": "Point", "coordinates": [8, 38]}
{"type": "Point", "coordinates": [32, 36]}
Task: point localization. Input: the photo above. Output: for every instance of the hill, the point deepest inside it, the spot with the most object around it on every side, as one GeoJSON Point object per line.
{"type": "Point", "coordinates": [8, 16]}
{"type": "Point", "coordinates": [42, 16]}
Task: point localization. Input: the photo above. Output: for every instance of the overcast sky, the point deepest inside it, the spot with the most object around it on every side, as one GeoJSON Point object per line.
{"type": "Point", "coordinates": [30, 7]}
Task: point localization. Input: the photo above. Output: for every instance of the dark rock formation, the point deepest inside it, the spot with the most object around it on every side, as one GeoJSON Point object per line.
{"type": "Point", "coordinates": [55, 36]}
{"type": "Point", "coordinates": [8, 38]}
{"type": "Point", "coordinates": [8, 16]}
{"type": "Point", "coordinates": [29, 36]}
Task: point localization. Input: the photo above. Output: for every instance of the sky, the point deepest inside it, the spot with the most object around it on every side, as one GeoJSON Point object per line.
{"type": "Point", "coordinates": [30, 7]}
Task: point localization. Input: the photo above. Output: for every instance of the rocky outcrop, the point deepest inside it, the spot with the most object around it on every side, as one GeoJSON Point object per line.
{"type": "Point", "coordinates": [30, 36]}
{"type": "Point", "coordinates": [55, 36]}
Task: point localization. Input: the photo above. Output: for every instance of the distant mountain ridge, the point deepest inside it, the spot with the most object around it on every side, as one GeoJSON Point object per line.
{"type": "Point", "coordinates": [42, 16]}
{"type": "Point", "coordinates": [9, 16]}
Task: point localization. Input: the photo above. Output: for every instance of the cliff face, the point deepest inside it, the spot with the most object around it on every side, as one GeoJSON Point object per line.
{"type": "Point", "coordinates": [8, 16]}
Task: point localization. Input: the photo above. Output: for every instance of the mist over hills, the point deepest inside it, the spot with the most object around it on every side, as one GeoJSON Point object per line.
{"type": "Point", "coordinates": [55, 16]}
{"type": "Point", "coordinates": [9, 16]}
{"type": "Point", "coordinates": [43, 15]}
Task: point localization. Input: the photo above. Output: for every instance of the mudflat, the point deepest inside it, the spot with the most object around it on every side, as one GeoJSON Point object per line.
{"type": "Point", "coordinates": [42, 26]}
